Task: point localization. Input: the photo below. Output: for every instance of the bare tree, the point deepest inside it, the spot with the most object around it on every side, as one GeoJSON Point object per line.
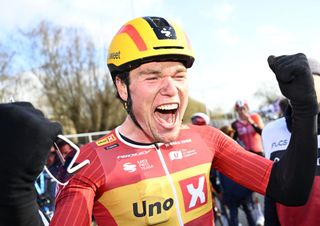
{"type": "Point", "coordinates": [79, 92]}
{"type": "Point", "coordinates": [5, 63]}
{"type": "Point", "coordinates": [268, 93]}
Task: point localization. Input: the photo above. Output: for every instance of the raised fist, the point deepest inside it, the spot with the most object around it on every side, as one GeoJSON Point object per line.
{"type": "Point", "coordinates": [294, 77]}
{"type": "Point", "coordinates": [26, 137]}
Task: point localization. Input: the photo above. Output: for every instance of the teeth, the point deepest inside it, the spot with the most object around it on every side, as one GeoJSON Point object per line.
{"type": "Point", "coordinates": [168, 107]}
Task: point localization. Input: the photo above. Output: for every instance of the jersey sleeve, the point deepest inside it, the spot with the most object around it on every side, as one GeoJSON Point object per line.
{"type": "Point", "coordinates": [74, 202]}
{"type": "Point", "coordinates": [247, 169]}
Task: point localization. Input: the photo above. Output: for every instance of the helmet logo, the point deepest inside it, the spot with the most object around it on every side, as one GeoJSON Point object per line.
{"type": "Point", "coordinates": [114, 55]}
{"type": "Point", "coordinates": [166, 32]}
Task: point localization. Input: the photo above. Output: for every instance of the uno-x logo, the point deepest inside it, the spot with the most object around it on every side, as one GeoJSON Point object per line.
{"type": "Point", "coordinates": [195, 192]}
{"type": "Point", "coordinates": [152, 206]}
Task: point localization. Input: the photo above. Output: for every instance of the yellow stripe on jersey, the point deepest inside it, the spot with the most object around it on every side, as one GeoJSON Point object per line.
{"type": "Point", "coordinates": [151, 201]}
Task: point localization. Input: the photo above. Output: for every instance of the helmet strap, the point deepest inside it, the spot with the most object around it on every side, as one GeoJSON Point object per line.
{"type": "Point", "coordinates": [128, 103]}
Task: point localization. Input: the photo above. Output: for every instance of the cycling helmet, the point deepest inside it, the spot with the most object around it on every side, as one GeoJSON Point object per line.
{"type": "Point", "coordinates": [240, 104]}
{"type": "Point", "coordinates": [147, 39]}
{"type": "Point", "coordinates": [200, 119]}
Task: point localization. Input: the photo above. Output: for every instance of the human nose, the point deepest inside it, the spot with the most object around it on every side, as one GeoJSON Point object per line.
{"type": "Point", "coordinates": [169, 87]}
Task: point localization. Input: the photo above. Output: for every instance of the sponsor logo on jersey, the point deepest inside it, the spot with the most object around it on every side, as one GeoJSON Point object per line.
{"type": "Point", "coordinates": [175, 155]}
{"type": "Point", "coordinates": [194, 191]}
{"type": "Point", "coordinates": [129, 167]}
{"type": "Point", "coordinates": [153, 209]}
{"type": "Point", "coordinates": [279, 143]}
{"type": "Point", "coordinates": [111, 146]}
{"type": "Point", "coordinates": [182, 153]}
{"type": "Point", "coordinates": [136, 154]}
{"type": "Point", "coordinates": [178, 142]}
{"type": "Point", "coordinates": [143, 164]}
{"type": "Point", "coordinates": [106, 140]}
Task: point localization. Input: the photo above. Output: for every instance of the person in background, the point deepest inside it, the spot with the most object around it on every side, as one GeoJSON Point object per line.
{"type": "Point", "coordinates": [235, 195]}
{"type": "Point", "coordinates": [200, 119]}
{"type": "Point", "coordinates": [248, 128]}
{"type": "Point", "coordinates": [276, 137]}
{"type": "Point", "coordinates": [26, 137]}
{"type": "Point", "coordinates": [154, 170]}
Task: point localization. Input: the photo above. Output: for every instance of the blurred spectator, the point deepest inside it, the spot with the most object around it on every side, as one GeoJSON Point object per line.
{"type": "Point", "coordinates": [248, 128]}
{"type": "Point", "coordinates": [234, 195]}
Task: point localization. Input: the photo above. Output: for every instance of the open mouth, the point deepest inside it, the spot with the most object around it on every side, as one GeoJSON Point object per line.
{"type": "Point", "coordinates": [166, 114]}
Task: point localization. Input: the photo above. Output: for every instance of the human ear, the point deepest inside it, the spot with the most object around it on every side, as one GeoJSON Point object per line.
{"type": "Point", "coordinates": [122, 89]}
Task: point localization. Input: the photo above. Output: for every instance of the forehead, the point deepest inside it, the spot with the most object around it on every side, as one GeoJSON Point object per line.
{"type": "Point", "coordinates": [160, 66]}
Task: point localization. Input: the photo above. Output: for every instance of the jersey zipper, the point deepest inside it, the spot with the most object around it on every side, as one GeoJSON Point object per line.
{"type": "Point", "coordinates": [165, 168]}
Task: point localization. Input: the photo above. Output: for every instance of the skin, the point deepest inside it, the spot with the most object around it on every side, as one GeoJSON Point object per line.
{"type": "Point", "coordinates": [155, 85]}
{"type": "Point", "coordinates": [244, 115]}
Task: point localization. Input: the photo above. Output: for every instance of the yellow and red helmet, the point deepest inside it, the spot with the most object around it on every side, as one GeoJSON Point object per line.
{"type": "Point", "coordinates": [147, 39]}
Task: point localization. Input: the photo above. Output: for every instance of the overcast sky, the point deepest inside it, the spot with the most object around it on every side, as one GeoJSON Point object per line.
{"type": "Point", "coordinates": [232, 39]}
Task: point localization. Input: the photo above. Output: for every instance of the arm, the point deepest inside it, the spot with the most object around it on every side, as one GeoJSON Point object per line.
{"type": "Point", "coordinates": [270, 213]}
{"type": "Point", "coordinates": [291, 178]}
{"type": "Point", "coordinates": [75, 201]}
{"type": "Point", "coordinates": [74, 204]}
{"type": "Point", "coordinates": [256, 128]}
{"type": "Point", "coordinates": [25, 140]}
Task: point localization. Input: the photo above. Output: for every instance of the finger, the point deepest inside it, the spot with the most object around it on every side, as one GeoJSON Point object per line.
{"type": "Point", "coordinates": [271, 61]}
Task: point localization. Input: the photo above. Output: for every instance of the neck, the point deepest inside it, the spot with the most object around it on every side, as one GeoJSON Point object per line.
{"type": "Point", "coordinates": [130, 130]}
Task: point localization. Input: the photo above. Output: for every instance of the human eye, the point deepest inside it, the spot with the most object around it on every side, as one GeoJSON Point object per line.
{"type": "Point", "coordinates": [152, 76]}
{"type": "Point", "coordinates": [180, 76]}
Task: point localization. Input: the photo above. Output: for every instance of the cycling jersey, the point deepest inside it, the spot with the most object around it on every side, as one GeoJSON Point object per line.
{"type": "Point", "coordinates": [276, 137]}
{"type": "Point", "coordinates": [247, 134]}
{"type": "Point", "coordinates": [157, 184]}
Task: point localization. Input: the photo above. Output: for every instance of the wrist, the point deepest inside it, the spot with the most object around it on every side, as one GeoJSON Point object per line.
{"type": "Point", "coordinates": [310, 109]}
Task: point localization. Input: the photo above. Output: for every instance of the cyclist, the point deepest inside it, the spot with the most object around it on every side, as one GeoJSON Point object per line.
{"type": "Point", "coordinates": [152, 169]}
{"type": "Point", "coordinates": [276, 136]}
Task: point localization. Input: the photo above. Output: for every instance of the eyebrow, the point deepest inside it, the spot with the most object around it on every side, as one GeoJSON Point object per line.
{"type": "Point", "coordinates": [156, 71]}
{"type": "Point", "coordinates": [149, 71]}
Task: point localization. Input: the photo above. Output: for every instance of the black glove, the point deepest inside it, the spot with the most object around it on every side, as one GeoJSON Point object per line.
{"type": "Point", "coordinates": [26, 137]}
{"type": "Point", "coordinates": [291, 178]}
{"type": "Point", "coordinates": [295, 81]}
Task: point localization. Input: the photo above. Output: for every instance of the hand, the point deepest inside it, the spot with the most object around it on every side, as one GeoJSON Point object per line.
{"type": "Point", "coordinates": [26, 137]}
{"type": "Point", "coordinates": [294, 77]}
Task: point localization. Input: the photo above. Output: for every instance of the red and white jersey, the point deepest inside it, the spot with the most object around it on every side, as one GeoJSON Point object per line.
{"type": "Point", "coordinates": [158, 184]}
{"type": "Point", "coordinates": [247, 134]}
{"type": "Point", "coordinates": [276, 138]}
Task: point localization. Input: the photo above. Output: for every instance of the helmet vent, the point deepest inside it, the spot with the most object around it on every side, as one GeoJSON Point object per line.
{"type": "Point", "coordinates": [168, 47]}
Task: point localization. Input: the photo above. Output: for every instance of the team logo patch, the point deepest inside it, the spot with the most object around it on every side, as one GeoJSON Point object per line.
{"type": "Point", "coordinates": [194, 191]}
{"type": "Point", "coordinates": [111, 146]}
{"type": "Point", "coordinates": [110, 138]}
